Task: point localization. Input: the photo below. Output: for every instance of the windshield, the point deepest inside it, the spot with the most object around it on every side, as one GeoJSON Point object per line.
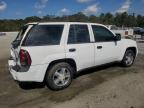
{"type": "Point", "coordinates": [21, 33]}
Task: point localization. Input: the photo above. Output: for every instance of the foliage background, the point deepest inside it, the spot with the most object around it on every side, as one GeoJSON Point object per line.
{"type": "Point", "coordinates": [108, 19]}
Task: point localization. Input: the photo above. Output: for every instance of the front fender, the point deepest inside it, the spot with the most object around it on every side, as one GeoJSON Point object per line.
{"type": "Point", "coordinates": [125, 44]}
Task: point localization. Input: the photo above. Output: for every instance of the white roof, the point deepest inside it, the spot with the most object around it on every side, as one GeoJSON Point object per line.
{"type": "Point", "coordinates": [32, 23]}
{"type": "Point", "coordinates": [41, 23]}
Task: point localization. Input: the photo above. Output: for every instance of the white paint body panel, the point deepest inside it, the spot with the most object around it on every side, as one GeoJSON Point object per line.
{"type": "Point", "coordinates": [108, 53]}
{"type": "Point", "coordinates": [84, 55]}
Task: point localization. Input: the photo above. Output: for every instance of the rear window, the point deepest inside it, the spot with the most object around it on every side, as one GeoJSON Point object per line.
{"type": "Point", "coordinates": [44, 35]}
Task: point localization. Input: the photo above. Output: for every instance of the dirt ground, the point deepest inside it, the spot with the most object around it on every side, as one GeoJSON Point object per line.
{"type": "Point", "coordinates": [108, 86]}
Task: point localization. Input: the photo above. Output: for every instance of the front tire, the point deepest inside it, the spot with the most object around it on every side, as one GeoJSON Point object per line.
{"type": "Point", "coordinates": [128, 58]}
{"type": "Point", "coordinates": [59, 76]}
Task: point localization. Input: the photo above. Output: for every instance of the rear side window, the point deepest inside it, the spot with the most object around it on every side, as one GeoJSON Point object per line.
{"type": "Point", "coordinates": [78, 34]}
{"type": "Point", "coordinates": [101, 34]}
{"type": "Point", "coordinates": [44, 35]}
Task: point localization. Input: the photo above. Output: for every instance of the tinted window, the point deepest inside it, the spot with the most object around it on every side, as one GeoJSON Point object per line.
{"type": "Point", "coordinates": [101, 34]}
{"type": "Point", "coordinates": [45, 35]}
{"type": "Point", "coordinates": [78, 34]}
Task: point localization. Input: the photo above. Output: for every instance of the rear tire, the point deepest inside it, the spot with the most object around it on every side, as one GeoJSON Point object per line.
{"type": "Point", "coordinates": [128, 58]}
{"type": "Point", "coordinates": [59, 76]}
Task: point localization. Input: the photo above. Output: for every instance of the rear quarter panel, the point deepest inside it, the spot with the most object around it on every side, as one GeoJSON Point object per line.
{"type": "Point", "coordinates": [41, 57]}
{"type": "Point", "coordinates": [45, 54]}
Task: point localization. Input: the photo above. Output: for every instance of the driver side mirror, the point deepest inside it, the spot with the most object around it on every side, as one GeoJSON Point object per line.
{"type": "Point", "coordinates": [117, 37]}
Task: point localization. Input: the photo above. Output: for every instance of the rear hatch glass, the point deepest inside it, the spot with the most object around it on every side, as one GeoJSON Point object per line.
{"type": "Point", "coordinates": [19, 37]}
{"type": "Point", "coordinates": [16, 44]}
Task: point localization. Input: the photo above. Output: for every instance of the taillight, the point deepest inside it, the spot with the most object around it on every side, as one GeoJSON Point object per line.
{"type": "Point", "coordinates": [25, 58]}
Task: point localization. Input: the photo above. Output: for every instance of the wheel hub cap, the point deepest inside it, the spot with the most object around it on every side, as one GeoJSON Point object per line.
{"type": "Point", "coordinates": [61, 77]}
{"type": "Point", "coordinates": [129, 59]}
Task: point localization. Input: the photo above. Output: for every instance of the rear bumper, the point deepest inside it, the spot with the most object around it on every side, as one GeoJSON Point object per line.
{"type": "Point", "coordinates": [14, 74]}
{"type": "Point", "coordinates": [34, 74]}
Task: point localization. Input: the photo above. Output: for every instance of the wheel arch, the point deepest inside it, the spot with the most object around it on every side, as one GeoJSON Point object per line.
{"type": "Point", "coordinates": [134, 49]}
{"type": "Point", "coordinates": [128, 64]}
{"type": "Point", "coordinates": [67, 60]}
{"type": "Point", "coordinates": [123, 51]}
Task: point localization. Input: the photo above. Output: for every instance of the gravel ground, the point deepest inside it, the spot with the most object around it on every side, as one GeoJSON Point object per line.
{"type": "Point", "coordinates": [5, 42]}
{"type": "Point", "coordinates": [108, 86]}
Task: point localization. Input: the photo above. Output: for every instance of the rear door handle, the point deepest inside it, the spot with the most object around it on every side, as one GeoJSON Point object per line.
{"type": "Point", "coordinates": [72, 50]}
{"type": "Point", "coordinates": [99, 47]}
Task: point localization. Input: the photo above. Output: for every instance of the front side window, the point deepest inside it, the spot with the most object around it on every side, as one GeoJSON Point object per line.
{"type": "Point", "coordinates": [44, 35]}
{"type": "Point", "coordinates": [101, 34]}
{"type": "Point", "coordinates": [78, 34]}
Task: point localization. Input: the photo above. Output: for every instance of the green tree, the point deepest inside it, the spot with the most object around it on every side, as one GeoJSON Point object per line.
{"type": "Point", "coordinates": [118, 19]}
{"type": "Point", "coordinates": [93, 19]}
{"type": "Point", "coordinates": [32, 19]}
{"type": "Point", "coordinates": [140, 21]}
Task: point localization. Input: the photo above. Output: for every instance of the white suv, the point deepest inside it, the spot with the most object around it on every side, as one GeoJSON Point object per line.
{"type": "Point", "coordinates": [54, 52]}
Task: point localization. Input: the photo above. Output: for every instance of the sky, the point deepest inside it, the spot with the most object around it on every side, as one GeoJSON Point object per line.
{"type": "Point", "coordinates": [16, 9]}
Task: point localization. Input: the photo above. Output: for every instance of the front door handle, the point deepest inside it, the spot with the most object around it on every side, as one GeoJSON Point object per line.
{"type": "Point", "coordinates": [72, 50]}
{"type": "Point", "coordinates": [99, 47]}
